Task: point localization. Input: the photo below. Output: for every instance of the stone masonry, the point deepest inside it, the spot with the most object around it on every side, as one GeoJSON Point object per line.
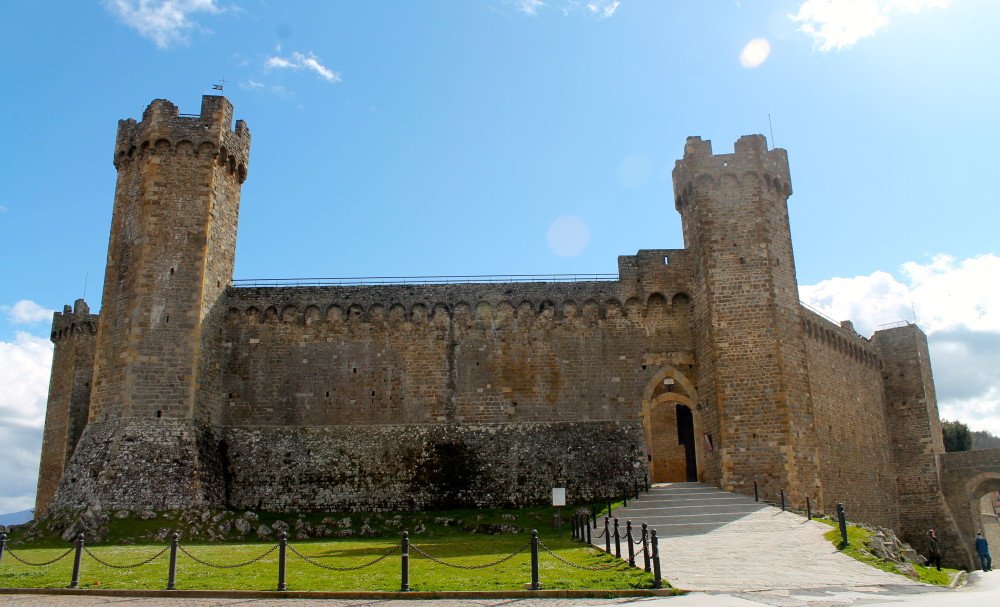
{"type": "Point", "coordinates": [695, 364]}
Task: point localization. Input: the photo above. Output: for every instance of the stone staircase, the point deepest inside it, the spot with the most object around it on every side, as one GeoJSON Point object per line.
{"type": "Point", "coordinates": [682, 509]}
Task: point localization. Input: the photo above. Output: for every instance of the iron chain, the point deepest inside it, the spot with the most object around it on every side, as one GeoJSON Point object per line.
{"type": "Point", "coordinates": [133, 566]}
{"type": "Point", "coordinates": [207, 564]}
{"type": "Point", "coordinates": [332, 568]}
{"type": "Point", "coordinates": [559, 558]}
{"type": "Point", "coordinates": [598, 535]}
{"type": "Point", "coordinates": [20, 560]}
{"type": "Point", "coordinates": [493, 564]}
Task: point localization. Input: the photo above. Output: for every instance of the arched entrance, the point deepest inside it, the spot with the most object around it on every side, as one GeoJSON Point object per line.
{"type": "Point", "coordinates": [671, 425]}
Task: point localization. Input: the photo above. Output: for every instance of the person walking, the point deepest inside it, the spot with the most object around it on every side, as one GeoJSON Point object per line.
{"type": "Point", "coordinates": [983, 550]}
{"type": "Point", "coordinates": [934, 551]}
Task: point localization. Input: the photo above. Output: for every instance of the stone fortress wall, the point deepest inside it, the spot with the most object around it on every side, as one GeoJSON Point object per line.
{"type": "Point", "coordinates": [697, 363]}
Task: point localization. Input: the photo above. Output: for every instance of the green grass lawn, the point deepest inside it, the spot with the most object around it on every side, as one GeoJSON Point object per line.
{"type": "Point", "coordinates": [857, 538]}
{"type": "Point", "coordinates": [301, 575]}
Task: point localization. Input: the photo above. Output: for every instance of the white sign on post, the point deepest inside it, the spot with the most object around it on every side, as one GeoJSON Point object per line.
{"type": "Point", "coordinates": [558, 496]}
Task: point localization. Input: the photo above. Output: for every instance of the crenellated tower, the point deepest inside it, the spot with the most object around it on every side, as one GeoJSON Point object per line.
{"type": "Point", "coordinates": [170, 257]}
{"type": "Point", "coordinates": [158, 355]}
{"type": "Point", "coordinates": [752, 375]}
{"type": "Point", "coordinates": [73, 332]}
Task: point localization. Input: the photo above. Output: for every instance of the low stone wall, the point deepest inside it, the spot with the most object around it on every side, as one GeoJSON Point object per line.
{"type": "Point", "coordinates": [427, 467]}
{"type": "Point", "coordinates": [159, 464]}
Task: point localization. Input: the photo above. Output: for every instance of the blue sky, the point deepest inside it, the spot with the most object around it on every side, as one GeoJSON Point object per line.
{"type": "Point", "coordinates": [518, 137]}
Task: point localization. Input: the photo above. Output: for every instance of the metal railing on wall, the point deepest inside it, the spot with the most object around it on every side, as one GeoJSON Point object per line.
{"type": "Point", "coordinates": [419, 280]}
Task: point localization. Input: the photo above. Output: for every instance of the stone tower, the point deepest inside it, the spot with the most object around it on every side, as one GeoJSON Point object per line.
{"type": "Point", "coordinates": [73, 332]}
{"type": "Point", "coordinates": [170, 257]}
{"type": "Point", "coordinates": [752, 378]}
{"type": "Point", "coordinates": [157, 356]}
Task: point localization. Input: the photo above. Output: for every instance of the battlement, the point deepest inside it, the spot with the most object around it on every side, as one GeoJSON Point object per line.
{"type": "Point", "coordinates": [750, 160]}
{"type": "Point", "coordinates": [164, 130]}
{"type": "Point", "coordinates": [73, 319]}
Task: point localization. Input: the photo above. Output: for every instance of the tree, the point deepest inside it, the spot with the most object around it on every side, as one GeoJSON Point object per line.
{"type": "Point", "coordinates": [983, 439]}
{"type": "Point", "coordinates": [957, 436]}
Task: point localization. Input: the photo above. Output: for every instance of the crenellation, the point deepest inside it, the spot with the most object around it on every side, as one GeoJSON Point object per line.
{"type": "Point", "coordinates": [694, 364]}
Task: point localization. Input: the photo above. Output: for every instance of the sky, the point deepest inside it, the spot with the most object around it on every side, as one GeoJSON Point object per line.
{"type": "Point", "coordinates": [471, 137]}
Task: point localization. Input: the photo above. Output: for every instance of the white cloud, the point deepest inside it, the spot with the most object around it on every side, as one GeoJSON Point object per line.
{"type": "Point", "coordinates": [568, 236]}
{"type": "Point", "coordinates": [165, 22]}
{"type": "Point", "coordinates": [24, 375]}
{"type": "Point", "coordinates": [838, 24]}
{"type": "Point", "coordinates": [299, 61]}
{"type": "Point", "coordinates": [602, 9]}
{"type": "Point", "coordinates": [755, 53]}
{"type": "Point", "coordinates": [957, 303]}
{"type": "Point", "coordinates": [26, 312]}
{"type": "Point", "coordinates": [528, 7]}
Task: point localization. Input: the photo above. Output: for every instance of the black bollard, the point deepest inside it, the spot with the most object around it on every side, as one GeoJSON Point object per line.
{"type": "Point", "coordinates": [809, 509]}
{"type": "Point", "coordinates": [282, 552]}
{"type": "Point", "coordinates": [657, 578]}
{"type": "Point", "coordinates": [756, 494]}
{"type": "Point", "coordinates": [646, 474]}
{"type": "Point", "coordinates": [618, 545]}
{"type": "Point", "coordinates": [3, 545]}
{"type": "Point", "coordinates": [404, 557]}
{"type": "Point", "coordinates": [75, 583]}
{"type": "Point", "coordinates": [782, 499]}
{"type": "Point", "coordinates": [607, 534]}
{"type": "Point", "coordinates": [534, 560]}
{"type": "Point", "coordinates": [593, 514]}
{"type": "Point", "coordinates": [635, 487]}
{"type": "Point", "coordinates": [645, 547]}
{"type": "Point", "coordinates": [842, 520]}
{"type": "Point", "coordinates": [631, 543]}
{"type": "Point", "coordinates": [588, 531]}
{"type": "Point", "coordinates": [572, 526]}
{"type": "Point", "coordinates": [172, 571]}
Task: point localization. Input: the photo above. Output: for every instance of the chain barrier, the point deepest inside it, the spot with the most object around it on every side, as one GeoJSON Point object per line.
{"type": "Point", "coordinates": [133, 566]}
{"type": "Point", "coordinates": [207, 564]}
{"type": "Point", "coordinates": [559, 558]}
{"type": "Point", "coordinates": [332, 568]}
{"type": "Point", "coordinates": [493, 564]}
{"type": "Point", "coordinates": [20, 560]}
{"type": "Point", "coordinates": [597, 535]}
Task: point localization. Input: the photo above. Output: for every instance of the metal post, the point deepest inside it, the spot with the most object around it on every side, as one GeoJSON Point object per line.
{"type": "Point", "coordinates": [593, 514]}
{"type": "Point", "coordinates": [75, 583]}
{"type": "Point", "coordinates": [3, 545]}
{"type": "Point", "coordinates": [534, 560]}
{"type": "Point", "coordinates": [809, 509]}
{"type": "Point", "coordinates": [572, 526]}
{"type": "Point", "coordinates": [635, 487]}
{"type": "Point", "coordinates": [559, 521]}
{"type": "Point", "coordinates": [756, 494]}
{"type": "Point", "coordinates": [657, 578]}
{"type": "Point", "coordinates": [609, 506]}
{"type": "Point", "coordinates": [782, 499]}
{"type": "Point", "coordinates": [645, 547]}
{"type": "Point", "coordinates": [282, 549]}
{"type": "Point", "coordinates": [587, 525]}
{"type": "Point", "coordinates": [404, 585]}
{"type": "Point", "coordinates": [842, 519]}
{"type": "Point", "coordinates": [172, 572]}
{"type": "Point", "coordinates": [631, 545]}
{"type": "Point", "coordinates": [607, 534]}
{"type": "Point", "coordinates": [646, 474]}
{"type": "Point", "coordinates": [618, 545]}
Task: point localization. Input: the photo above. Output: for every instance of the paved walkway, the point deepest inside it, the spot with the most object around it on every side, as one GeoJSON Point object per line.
{"type": "Point", "coordinates": [742, 546]}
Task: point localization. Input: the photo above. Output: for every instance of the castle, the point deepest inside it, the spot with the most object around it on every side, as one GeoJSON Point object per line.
{"type": "Point", "coordinates": [694, 364]}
